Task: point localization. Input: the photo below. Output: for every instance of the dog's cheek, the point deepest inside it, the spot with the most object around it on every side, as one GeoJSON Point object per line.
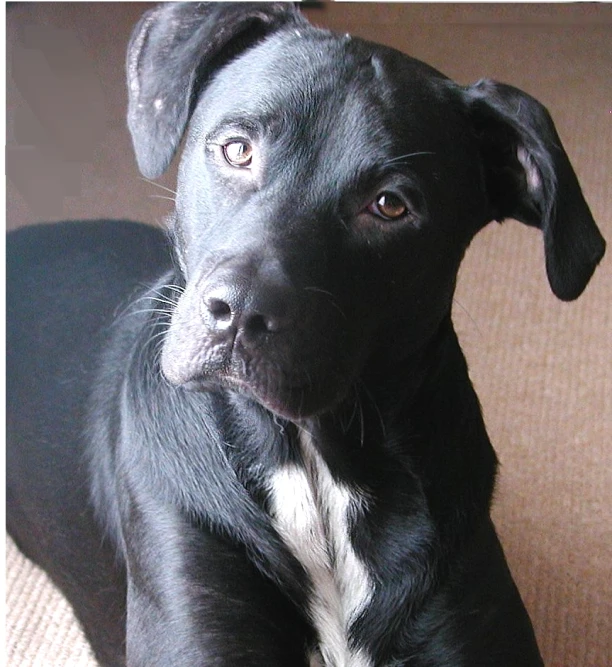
{"type": "Point", "coordinates": [185, 349]}
{"type": "Point", "coordinates": [416, 296]}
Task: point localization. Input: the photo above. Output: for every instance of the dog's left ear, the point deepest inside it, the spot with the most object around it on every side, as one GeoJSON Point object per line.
{"type": "Point", "coordinates": [530, 178]}
{"type": "Point", "coordinates": [174, 50]}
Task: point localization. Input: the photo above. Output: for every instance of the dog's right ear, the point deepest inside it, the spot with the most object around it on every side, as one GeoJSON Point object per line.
{"type": "Point", "coordinates": [172, 53]}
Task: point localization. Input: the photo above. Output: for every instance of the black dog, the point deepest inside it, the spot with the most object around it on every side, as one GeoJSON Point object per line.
{"type": "Point", "coordinates": [273, 455]}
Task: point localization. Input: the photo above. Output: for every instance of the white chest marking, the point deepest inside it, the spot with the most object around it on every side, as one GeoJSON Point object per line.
{"type": "Point", "coordinates": [312, 514]}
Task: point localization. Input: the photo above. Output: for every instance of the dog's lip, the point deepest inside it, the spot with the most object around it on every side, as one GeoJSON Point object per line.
{"type": "Point", "coordinates": [292, 401]}
{"type": "Point", "coordinates": [272, 400]}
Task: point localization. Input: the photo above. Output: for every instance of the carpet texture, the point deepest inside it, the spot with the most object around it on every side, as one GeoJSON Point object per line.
{"type": "Point", "coordinates": [542, 369]}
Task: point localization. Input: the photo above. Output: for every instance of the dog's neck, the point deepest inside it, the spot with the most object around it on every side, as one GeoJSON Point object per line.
{"type": "Point", "coordinates": [365, 473]}
{"type": "Point", "coordinates": [393, 420]}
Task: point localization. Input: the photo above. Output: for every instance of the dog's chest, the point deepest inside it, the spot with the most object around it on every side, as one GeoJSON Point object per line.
{"type": "Point", "coordinates": [313, 514]}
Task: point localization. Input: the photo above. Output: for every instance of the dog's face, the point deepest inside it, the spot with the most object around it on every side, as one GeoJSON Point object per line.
{"type": "Point", "coordinates": [320, 218]}
{"type": "Point", "coordinates": [327, 191]}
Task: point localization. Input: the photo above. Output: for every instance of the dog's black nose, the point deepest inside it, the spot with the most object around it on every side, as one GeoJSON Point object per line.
{"type": "Point", "coordinates": [247, 312]}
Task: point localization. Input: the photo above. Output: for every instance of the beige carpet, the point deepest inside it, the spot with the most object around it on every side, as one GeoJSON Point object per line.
{"type": "Point", "coordinates": [543, 369]}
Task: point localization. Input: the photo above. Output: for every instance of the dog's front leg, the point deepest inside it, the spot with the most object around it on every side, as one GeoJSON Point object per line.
{"type": "Point", "coordinates": [195, 599]}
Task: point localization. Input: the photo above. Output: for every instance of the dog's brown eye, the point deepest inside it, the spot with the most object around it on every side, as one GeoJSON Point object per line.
{"type": "Point", "coordinates": [388, 206]}
{"type": "Point", "coordinates": [238, 153]}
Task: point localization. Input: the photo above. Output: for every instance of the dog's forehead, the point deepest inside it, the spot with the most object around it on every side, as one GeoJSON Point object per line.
{"type": "Point", "coordinates": [313, 75]}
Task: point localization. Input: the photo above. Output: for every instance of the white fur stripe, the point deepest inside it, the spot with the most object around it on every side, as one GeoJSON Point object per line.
{"type": "Point", "coordinates": [311, 513]}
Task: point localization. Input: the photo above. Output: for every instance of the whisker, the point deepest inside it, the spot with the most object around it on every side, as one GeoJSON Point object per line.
{"type": "Point", "coordinates": [160, 299]}
{"type": "Point", "coordinates": [318, 289]}
{"type": "Point", "coordinates": [302, 429]}
{"type": "Point", "coordinates": [403, 157]}
{"type": "Point", "coordinates": [160, 290]}
{"type": "Point", "coordinates": [176, 288]}
{"type": "Point", "coordinates": [466, 311]}
{"type": "Point", "coordinates": [159, 311]}
{"type": "Point", "coordinates": [162, 197]}
{"type": "Point", "coordinates": [367, 392]}
{"type": "Point", "coordinates": [361, 423]}
{"type": "Point", "coordinates": [159, 334]}
{"type": "Point", "coordinates": [332, 299]}
{"type": "Point", "coordinates": [157, 185]}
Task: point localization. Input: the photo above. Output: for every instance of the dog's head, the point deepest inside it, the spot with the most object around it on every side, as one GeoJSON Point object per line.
{"type": "Point", "coordinates": [327, 192]}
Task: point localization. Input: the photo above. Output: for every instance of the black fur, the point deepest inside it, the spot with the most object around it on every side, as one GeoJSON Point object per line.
{"type": "Point", "coordinates": [154, 386]}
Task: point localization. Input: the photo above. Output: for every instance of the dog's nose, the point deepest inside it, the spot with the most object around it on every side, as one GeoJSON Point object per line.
{"type": "Point", "coordinates": [250, 314]}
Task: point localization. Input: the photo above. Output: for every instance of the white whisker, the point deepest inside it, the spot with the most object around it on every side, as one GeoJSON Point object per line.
{"type": "Point", "coordinates": [172, 199]}
{"type": "Point", "coordinates": [159, 311]}
{"type": "Point", "coordinates": [158, 185]}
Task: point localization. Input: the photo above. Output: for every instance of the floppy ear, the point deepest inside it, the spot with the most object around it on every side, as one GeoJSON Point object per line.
{"type": "Point", "coordinates": [172, 52]}
{"type": "Point", "coordinates": [529, 178]}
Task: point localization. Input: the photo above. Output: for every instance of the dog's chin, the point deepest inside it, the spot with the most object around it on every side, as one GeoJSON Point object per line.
{"type": "Point", "coordinates": [294, 403]}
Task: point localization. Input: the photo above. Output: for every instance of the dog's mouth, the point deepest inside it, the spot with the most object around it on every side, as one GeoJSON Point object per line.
{"type": "Point", "coordinates": [293, 397]}
{"type": "Point", "coordinates": [290, 402]}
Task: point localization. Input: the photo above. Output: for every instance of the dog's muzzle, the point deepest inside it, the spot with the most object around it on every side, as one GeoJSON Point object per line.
{"type": "Point", "coordinates": [241, 331]}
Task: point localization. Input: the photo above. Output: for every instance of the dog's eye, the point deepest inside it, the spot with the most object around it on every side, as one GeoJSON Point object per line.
{"type": "Point", "coordinates": [388, 206]}
{"type": "Point", "coordinates": [238, 153]}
